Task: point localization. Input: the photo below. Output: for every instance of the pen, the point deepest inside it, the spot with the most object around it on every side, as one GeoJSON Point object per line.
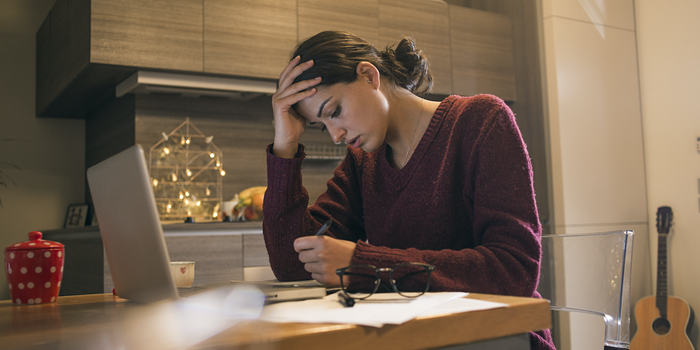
{"type": "Point", "coordinates": [324, 227]}
{"type": "Point", "coordinates": [345, 299]}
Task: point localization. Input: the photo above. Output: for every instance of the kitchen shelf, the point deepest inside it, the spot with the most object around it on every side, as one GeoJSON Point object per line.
{"type": "Point", "coordinates": [325, 152]}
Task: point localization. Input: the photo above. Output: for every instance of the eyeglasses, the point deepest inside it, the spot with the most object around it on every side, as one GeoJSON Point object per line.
{"type": "Point", "coordinates": [409, 280]}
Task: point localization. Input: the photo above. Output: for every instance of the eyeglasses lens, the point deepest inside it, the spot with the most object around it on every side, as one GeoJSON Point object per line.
{"type": "Point", "coordinates": [411, 280]}
{"type": "Point", "coordinates": [363, 281]}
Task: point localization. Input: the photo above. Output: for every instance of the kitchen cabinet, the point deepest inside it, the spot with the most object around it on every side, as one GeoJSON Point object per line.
{"type": "Point", "coordinates": [149, 34]}
{"type": "Point", "coordinates": [221, 251]}
{"type": "Point", "coordinates": [428, 23]}
{"type": "Point", "coordinates": [482, 53]}
{"type": "Point", "coordinates": [251, 38]}
{"type": "Point", "coordinates": [86, 47]}
{"type": "Point", "coordinates": [358, 17]}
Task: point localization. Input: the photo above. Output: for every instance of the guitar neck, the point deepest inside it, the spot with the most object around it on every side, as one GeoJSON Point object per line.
{"type": "Point", "coordinates": [661, 277]}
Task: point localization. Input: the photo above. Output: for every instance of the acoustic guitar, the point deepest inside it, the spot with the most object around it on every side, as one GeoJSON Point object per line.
{"type": "Point", "coordinates": [663, 321]}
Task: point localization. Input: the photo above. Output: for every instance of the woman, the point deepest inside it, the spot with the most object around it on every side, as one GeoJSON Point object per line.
{"type": "Point", "coordinates": [442, 183]}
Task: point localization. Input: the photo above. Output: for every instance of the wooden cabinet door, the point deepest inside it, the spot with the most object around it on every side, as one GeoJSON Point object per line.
{"type": "Point", "coordinates": [482, 53]}
{"type": "Point", "coordinates": [428, 23]}
{"type": "Point", "coordinates": [359, 17]}
{"type": "Point", "coordinates": [251, 38]}
{"type": "Point", "coordinates": [165, 34]}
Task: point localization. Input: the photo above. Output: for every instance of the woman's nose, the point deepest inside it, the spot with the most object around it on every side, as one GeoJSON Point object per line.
{"type": "Point", "coordinates": [337, 134]}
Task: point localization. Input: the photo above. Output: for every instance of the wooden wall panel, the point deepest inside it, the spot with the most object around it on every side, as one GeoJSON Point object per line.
{"type": "Point", "coordinates": [109, 131]}
{"type": "Point", "coordinates": [219, 259]}
{"type": "Point", "coordinates": [428, 23]}
{"type": "Point", "coordinates": [150, 34]}
{"type": "Point", "coordinates": [482, 53]}
{"type": "Point", "coordinates": [359, 17]}
{"type": "Point", "coordinates": [242, 130]}
{"type": "Point", "coordinates": [249, 38]}
{"type": "Point", "coordinates": [69, 42]}
{"type": "Point", "coordinates": [254, 251]}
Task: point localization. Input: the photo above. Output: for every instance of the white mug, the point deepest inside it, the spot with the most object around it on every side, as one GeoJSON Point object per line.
{"type": "Point", "coordinates": [182, 273]}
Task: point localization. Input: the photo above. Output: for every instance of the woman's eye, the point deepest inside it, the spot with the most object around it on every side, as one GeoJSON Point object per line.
{"type": "Point", "coordinates": [335, 113]}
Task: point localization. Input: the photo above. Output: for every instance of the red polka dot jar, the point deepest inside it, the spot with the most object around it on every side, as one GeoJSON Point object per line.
{"type": "Point", "coordinates": [34, 269]}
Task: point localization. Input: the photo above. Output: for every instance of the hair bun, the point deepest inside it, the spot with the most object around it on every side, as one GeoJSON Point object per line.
{"type": "Point", "coordinates": [409, 66]}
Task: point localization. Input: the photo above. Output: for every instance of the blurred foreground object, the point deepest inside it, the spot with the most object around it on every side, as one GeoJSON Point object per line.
{"type": "Point", "coordinates": [103, 321]}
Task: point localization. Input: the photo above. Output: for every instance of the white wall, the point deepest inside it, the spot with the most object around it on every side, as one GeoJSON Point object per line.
{"type": "Point", "coordinates": [50, 152]}
{"type": "Point", "coordinates": [669, 73]}
{"type": "Point", "coordinates": [595, 134]}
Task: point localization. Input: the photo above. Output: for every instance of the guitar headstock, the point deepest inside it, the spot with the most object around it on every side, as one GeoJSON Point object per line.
{"type": "Point", "coordinates": [664, 218]}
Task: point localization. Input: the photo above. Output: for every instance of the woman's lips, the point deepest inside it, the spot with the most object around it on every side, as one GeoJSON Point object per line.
{"type": "Point", "coordinates": [355, 142]}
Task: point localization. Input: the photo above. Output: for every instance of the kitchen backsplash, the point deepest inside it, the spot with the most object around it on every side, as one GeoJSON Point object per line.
{"type": "Point", "coordinates": [241, 129]}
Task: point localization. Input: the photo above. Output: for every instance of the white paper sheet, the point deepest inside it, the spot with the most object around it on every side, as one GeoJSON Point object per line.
{"type": "Point", "coordinates": [374, 314]}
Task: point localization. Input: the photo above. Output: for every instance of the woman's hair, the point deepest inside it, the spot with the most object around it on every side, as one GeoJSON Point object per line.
{"type": "Point", "coordinates": [336, 55]}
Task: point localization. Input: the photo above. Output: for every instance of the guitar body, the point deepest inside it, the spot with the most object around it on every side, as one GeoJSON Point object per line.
{"type": "Point", "coordinates": [662, 320]}
{"type": "Point", "coordinates": [654, 333]}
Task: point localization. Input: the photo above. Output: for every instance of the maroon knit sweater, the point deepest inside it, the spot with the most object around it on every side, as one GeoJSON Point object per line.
{"type": "Point", "coordinates": [464, 202]}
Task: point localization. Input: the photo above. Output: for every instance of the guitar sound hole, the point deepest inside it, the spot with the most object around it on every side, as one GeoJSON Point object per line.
{"type": "Point", "coordinates": [661, 326]}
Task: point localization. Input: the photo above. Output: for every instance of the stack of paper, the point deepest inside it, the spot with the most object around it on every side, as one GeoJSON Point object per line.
{"type": "Point", "coordinates": [374, 313]}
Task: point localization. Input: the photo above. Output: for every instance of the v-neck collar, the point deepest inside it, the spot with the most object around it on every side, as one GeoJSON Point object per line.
{"type": "Point", "coordinates": [399, 178]}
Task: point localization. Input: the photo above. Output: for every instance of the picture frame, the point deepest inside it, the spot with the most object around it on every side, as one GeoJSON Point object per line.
{"type": "Point", "coordinates": [76, 216]}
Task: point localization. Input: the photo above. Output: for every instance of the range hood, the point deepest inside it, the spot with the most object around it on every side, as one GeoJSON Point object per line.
{"type": "Point", "coordinates": [146, 82]}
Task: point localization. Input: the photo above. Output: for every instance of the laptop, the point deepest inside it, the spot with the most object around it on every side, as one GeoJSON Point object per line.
{"type": "Point", "coordinates": [133, 238]}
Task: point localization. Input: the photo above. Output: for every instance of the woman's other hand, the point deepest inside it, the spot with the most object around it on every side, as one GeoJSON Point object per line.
{"type": "Point", "coordinates": [322, 255]}
{"type": "Point", "coordinates": [289, 125]}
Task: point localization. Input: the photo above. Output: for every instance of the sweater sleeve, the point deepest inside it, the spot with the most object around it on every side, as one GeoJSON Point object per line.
{"type": "Point", "coordinates": [287, 215]}
{"type": "Point", "coordinates": [504, 254]}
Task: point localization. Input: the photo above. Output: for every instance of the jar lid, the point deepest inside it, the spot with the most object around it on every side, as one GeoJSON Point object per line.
{"type": "Point", "coordinates": [34, 242]}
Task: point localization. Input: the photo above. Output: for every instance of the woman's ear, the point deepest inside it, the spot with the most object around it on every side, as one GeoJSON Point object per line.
{"type": "Point", "coordinates": [368, 73]}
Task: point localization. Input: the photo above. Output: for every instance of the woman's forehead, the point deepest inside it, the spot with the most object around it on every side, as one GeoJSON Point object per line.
{"type": "Point", "coordinates": [312, 107]}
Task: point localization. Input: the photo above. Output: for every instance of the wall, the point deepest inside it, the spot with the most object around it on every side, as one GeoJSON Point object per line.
{"type": "Point", "coordinates": [50, 152]}
{"type": "Point", "coordinates": [669, 74]}
{"type": "Point", "coordinates": [595, 136]}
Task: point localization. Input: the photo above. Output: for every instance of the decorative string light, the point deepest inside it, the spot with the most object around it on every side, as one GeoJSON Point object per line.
{"type": "Point", "coordinates": [177, 193]}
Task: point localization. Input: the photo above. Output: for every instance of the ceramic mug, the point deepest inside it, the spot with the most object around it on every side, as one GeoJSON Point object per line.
{"type": "Point", "coordinates": [182, 273]}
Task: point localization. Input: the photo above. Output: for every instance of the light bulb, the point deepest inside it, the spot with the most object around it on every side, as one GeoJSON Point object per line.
{"type": "Point", "coordinates": [199, 203]}
{"type": "Point", "coordinates": [182, 140]}
{"type": "Point", "coordinates": [155, 182]}
{"type": "Point", "coordinates": [223, 173]}
{"type": "Point", "coordinates": [215, 214]}
{"type": "Point", "coordinates": [181, 196]}
{"type": "Point", "coordinates": [187, 141]}
{"type": "Point", "coordinates": [207, 191]}
{"type": "Point", "coordinates": [212, 155]}
{"type": "Point", "coordinates": [187, 202]}
{"type": "Point", "coordinates": [189, 173]}
{"type": "Point", "coordinates": [174, 177]}
{"type": "Point", "coordinates": [170, 205]}
{"type": "Point", "coordinates": [187, 193]}
{"type": "Point", "coordinates": [166, 150]}
{"type": "Point", "coordinates": [218, 164]}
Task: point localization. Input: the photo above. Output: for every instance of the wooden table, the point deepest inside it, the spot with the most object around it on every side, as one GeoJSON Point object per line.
{"type": "Point", "coordinates": [97, 320]}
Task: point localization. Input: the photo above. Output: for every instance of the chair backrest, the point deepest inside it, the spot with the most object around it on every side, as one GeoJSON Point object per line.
{"type": "Point", "coordinates": [590, 273]}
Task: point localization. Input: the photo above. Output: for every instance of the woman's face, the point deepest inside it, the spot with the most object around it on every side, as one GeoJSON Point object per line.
{"type": "Point", "coordinates": [354, 113]}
